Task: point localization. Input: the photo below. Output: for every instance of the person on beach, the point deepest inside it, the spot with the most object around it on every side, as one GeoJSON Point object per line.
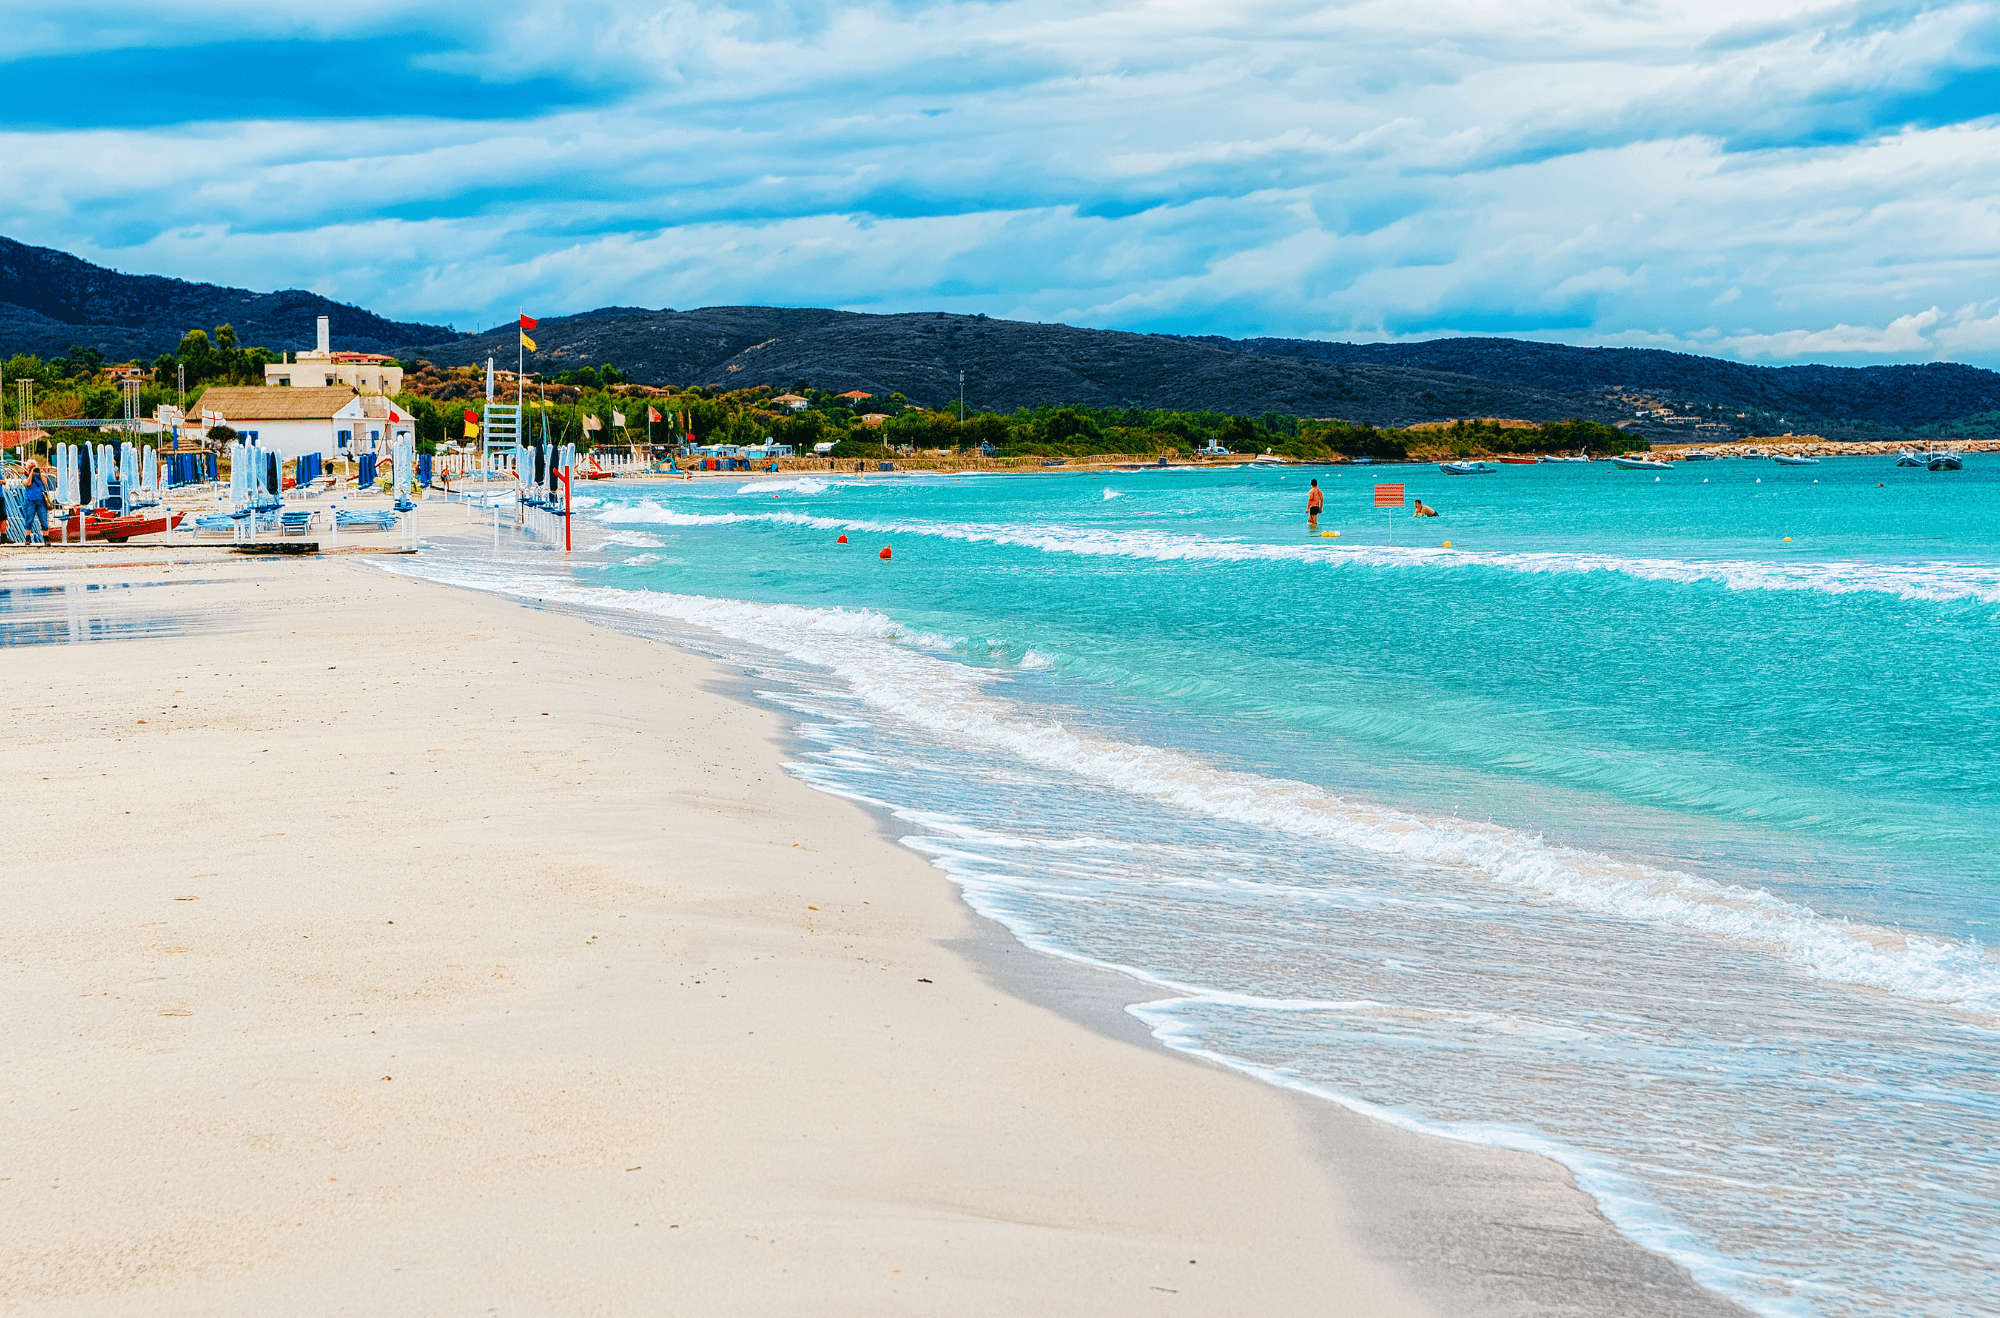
{"type": "Point", "coordinates": [36, 500]}
{"type": "Point", "coordinates": [1424, 511]}
{"type": "Point", "coordinates": [1315, 501]}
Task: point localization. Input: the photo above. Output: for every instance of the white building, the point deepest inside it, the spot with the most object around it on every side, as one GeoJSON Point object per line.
{"type": "Point", "coordinates": [307, 419]}
{"type": "Point", "coordinates": [364, 372]}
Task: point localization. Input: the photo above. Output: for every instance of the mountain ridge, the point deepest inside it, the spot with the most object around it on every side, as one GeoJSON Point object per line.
{"type": "Point", "coordinates": [50, 299]}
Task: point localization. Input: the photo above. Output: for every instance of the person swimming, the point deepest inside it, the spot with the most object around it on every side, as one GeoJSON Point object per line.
{"type": "Point", "coordinates": [1315, 501]}
{"type": "Point", "coordinates": [1423, 511]}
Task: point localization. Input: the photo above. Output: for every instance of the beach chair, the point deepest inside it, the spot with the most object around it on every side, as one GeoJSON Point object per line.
{"type": "Point", "coordinates": [369, 519]}
{"type": "Point", "coordinates": [225, 523]}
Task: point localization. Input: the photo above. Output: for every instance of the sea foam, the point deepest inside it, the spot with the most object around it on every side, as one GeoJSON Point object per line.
{"type": "Point", "coordinates": [1937, 580]}
{"type": "Point", "coordinates": [882, 661]}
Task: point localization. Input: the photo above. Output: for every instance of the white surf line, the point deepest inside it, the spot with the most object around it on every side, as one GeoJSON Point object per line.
{"type": "Point", "coordinates": [1934, 580]}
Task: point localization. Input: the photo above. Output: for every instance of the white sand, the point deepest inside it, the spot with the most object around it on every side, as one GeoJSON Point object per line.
{"type": "Point", "coordinates": [392, 949]}
{"type": "Point", "coordinates": [380, 948]}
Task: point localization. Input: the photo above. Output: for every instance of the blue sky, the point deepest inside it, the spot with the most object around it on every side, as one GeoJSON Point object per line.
{"type": "Point", "coordinates": [1771, 182]}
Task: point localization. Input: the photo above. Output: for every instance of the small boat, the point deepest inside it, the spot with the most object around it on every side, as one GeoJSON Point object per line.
{"type": "Point", "coordinates": [1641, 464]}
{"type": "Point", "coordinates": [114, 527]}
{"type": "Point", "coordinates": [1466, 469]}
{"type": "Point", "coordinates": [1946, 462]}
{"type": "Point", "coordinates": [1361, 462]}
{"type": "Point", "coordinates": [1791, 460]}
{"type": "Point", "coordinates": [1055, 462]}
{"type": "Point", "coordinates": [1909, 459]}
{"type": "Point", "coordinates": [1519, 462]}
{"type": "Point", "coordinates": [1751, 453]}
{"type": "Point", "coordinates": [1697, 455]}
{"type": "Point", "coordinates": [1267, 457]}
{"type": "Point", "coordinates": [1578, 458]}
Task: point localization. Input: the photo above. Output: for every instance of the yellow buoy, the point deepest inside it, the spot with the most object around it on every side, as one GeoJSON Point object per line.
{"type": "Point", "coordinates": [1329, 535]}
{"type": "Point", "coordinates": [1788, 540]}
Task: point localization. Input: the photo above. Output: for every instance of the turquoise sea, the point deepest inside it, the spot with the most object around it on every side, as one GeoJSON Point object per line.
{"type": "Point", "coordinates": [1651, 825]}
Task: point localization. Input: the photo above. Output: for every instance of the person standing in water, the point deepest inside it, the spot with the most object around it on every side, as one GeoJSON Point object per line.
{"type": "Point", "coordinates": [1315, 501]}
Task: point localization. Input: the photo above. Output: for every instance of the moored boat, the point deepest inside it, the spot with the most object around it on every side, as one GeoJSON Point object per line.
{"type": "Point", "coordinates": [1641, 464]}
{"type": "Point", "coordinates": [1697, 455]}
{"type": "Point", "coordinates": [1466, 469]}
{"type": "Point", "coordinates": [1518, 461]}
{"type": "Point", "coordinates": [1946, 462]}
{"type": "Point", "coordinates": [1793, 460]}
{"type": "Point", "coordinates": [1908, 459]}
{"type": "Point", "coordinates": [116, 528]}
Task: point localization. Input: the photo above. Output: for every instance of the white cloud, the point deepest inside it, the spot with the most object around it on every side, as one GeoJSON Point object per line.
{"type": "Point", "coordinates": [1595, 174]}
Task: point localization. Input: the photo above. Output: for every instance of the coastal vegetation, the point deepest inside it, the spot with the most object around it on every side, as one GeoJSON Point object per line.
{"type": "Point", "coordinates": [584, 405]}
{"type": "Point", "coordinates": [881, 428]}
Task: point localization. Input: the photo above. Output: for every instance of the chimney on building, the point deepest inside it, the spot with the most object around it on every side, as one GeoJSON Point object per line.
{"type": "Point", "coordinates": [325, 338]}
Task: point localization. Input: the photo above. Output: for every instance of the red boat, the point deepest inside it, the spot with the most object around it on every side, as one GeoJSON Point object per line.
{"type": "Point", "coordinates": [1519, 462]}
{"type": "Point", "coordinates": [114, 527]}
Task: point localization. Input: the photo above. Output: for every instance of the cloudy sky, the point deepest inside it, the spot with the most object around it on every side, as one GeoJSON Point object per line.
{"type": "Point", "coordinates": [1776, 182]}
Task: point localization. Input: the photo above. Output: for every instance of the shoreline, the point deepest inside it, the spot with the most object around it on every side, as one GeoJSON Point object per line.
{"type": "Point", "coordinates": [165, 1197]}
{"type": "Point", "coordinates": [1540, 1242]}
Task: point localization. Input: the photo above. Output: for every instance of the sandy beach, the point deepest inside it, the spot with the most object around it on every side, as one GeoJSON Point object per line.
{"type": "Point", "coordinates": [377, 947]}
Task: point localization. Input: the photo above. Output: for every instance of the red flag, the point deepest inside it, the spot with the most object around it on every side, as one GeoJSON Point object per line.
{"type": "Point", "coordinates": [1388, 496]}
{"type": "Point", "coordinates": [527, 322]}
{"type": "Point", "coordinates": [472, 416]}
{"type": "Point", "coordinates": [653, 414]}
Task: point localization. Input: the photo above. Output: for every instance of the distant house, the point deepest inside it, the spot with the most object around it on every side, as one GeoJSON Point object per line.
{"type": "Point", "coordinates": [874, 418]}
{"type": "Point", "coordinates": [855, 395]}
{"type": "Point", "coordinates": [792, 401]}
{"type": "Point", "coordinates": [323, 368]}
{"type": "Point", "coordinates": [308, 419]}
{"type": "Point", "coordinates": [130, 371]}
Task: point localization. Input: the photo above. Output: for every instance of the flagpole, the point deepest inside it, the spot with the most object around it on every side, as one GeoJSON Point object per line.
{"type": "Point", "coordinates": [520, 359]}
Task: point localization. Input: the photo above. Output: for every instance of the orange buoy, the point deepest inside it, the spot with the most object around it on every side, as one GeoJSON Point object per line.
{"type": "Point", "coordinates": [841, 541]}
{"type": "Point", "coordinates": [885, 551]}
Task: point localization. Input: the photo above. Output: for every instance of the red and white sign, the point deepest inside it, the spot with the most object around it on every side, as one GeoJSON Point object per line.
{"type": "Point", "coordinates": [1388, 496]}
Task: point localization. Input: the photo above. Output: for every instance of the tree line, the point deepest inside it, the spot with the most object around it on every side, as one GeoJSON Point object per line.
{"type": "Point", "coordinates": [74, 384]}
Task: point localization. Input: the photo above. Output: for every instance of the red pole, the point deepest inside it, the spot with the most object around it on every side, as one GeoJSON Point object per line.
{"type": "Point", "coordinates": [565, 481]}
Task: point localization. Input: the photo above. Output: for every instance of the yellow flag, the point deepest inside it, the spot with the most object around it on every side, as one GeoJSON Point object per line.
{"type": "Point", "coordinates": [472, 430]}
{"type": "Point", "coordinates": [527, 342]}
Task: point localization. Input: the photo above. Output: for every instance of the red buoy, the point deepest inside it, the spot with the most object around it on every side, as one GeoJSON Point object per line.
{"type": "Point", "coordinates": [841, 541]}
{"type": "Point", "coordinates": [885, 551]}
